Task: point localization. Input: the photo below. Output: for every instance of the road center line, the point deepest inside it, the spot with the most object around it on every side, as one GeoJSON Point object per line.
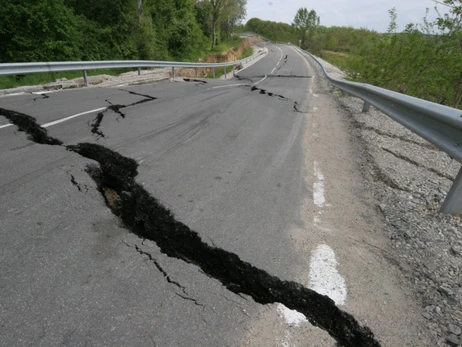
{"type": "Point", "coordinates": [318, 187]}
{"type": "Point", "coordinates": [282, 54]}
{"type": "Point", "coordinates": [62, 120]}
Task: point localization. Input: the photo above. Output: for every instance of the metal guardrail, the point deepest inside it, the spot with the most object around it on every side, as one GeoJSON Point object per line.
{"type": "Point", "coordinates": [438, 124]}
{"type": "Point", "coordinates": [43, 67]}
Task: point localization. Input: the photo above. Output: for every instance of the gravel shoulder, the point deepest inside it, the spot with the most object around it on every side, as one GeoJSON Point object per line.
{"type": "Point", "coordinates": [409, 179]}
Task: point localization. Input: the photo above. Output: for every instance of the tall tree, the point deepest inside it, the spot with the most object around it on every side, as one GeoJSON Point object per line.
{"type": "Point", "coordinates": [41, 30]}
{"type": "Point", "coordinates": [227, 13]}
{"type": "Point", "coordinates": [306, 23]}
{"type": "Point", "coordinates": [234, 13]}
{"type": "Point", "coordinates": [217, 10]}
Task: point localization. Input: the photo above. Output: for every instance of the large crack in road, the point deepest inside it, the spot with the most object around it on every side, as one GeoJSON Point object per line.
{"type": "Point", "coordinates": [29, 125]}
{"type": "Point", "coordinates": [280, 97]}
{"type": "Point", "coordinates": [145, 216]}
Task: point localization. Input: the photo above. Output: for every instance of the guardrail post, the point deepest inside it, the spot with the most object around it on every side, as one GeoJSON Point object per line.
{"type": "Point", "coordinates": [453, 202]}
{"type": "Point", "coordinates": [225, 71]}
{"type": "Point", "coordinates": [195, 72]}
{"type": "Point", "coordinates": [139, 71]}
{"type": "Point", "coordinates": [366, 107]}
{"type": "Point", "coordinates": [213, 72]}
{"type": "Point", "coordinates": [173, 72]}
{"type": "Point", "coordinates": [85, 77]}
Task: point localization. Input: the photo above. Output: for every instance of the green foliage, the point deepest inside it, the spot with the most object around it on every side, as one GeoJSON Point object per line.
{"type": "Point", "coordinates": [425, 60]}
{"type": "Point", "coordinates": [60, 30]}
{"type": "Point", "coordinates": [223, 16]}
{"type": "Point", "coordinates": [41, 30]}
{"type": "Point", "coordinates": [274, 31]}
{"type": "Point", "coordinates": [305, 23]}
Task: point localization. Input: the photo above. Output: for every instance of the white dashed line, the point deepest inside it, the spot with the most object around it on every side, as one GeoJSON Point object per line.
{"type": "Point", "coordinates": [318, 187]}
{"type": "Point", "coordinates": [291, 317]}
{"type": "Point", "coordinates": [324, 277]}
{"type": "Point", "coordinates": [280, 50]}
{"type": "Point", "coordinates": [5, 126]}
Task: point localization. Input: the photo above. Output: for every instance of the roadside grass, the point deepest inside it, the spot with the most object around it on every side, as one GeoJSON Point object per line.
{"type": "Point", "coordinates": [344, 61]}
{"type": "Point", "coordinates": [226, 45]}
{"type": "Point", "coordinates": [247, 53]}
{"type": "Point", "coordinates": [219, 72]}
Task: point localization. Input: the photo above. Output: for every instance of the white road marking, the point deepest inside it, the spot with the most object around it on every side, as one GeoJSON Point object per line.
{"type": "Point", "coordinates": [324, 277]}
{"type": "Point", "coordinates": [280, 50]}
{"type": "Point", "coordinates": [264, 78]}
{"type": "Point", "coordinates": [315, 109]}
{"type": "Point", "coordinates": [46, 125]}
{"type": "Point", "coordinates": [228, 85]}
{"type": "Point", "coordinates": [12, 94]}
{"type": "Point", "coordinates": [5, 126]}
{"type": "Point", "coordinates": [318, 187]}
{"type": "Point", "coordinates": [42, 92]}
{"type": "Point", "coordinates": [291, 317]}
{"type": "Point", "coordinates": [317, 218]}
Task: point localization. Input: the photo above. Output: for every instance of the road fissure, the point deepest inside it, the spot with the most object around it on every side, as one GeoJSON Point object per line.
{"type": "Point", "coordinates": [95, 126]}
{"type": "Point", "coordinates": [145, 216]}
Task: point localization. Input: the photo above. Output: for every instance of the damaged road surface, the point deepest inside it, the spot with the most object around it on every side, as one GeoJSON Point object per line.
{"type": "Point", "coordinates": [169, 214]}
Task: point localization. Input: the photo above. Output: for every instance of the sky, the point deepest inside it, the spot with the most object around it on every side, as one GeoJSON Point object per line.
{"type": "Point", "coordinates": [370, 14]}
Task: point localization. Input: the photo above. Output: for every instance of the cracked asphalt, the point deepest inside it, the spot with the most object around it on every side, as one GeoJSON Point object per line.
{"type": "Point", "coordinates": [185, 237]}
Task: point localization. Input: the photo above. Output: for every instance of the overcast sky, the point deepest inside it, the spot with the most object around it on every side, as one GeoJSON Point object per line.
{"type": "Point", "coordinates": [371, 14]}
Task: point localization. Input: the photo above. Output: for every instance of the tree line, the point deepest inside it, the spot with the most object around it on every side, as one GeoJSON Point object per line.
{"type": "Point", "coordinates": [422, 60]}
{"type": "Point", "coordinates": [60, 30]}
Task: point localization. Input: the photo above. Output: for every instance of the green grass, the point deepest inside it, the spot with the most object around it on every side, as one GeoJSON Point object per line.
{"type": "Point", "coordinates": [225, 45]}
{"type": "Point", "coordinates": [247, 53]}
{"type": "Point", "coordinates": [42, 78]}
{"type": "Point", "coordinates": [344, 61]}
{"type": "Point", "coordinates": [219, 71]}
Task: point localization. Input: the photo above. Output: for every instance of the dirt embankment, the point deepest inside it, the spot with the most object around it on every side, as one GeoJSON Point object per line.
{"type": "Point", "coordinates": [231, 55]}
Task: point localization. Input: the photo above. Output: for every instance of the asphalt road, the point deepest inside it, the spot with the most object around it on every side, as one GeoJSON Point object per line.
{"type": "Point", "coordinates": [226, 157]}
